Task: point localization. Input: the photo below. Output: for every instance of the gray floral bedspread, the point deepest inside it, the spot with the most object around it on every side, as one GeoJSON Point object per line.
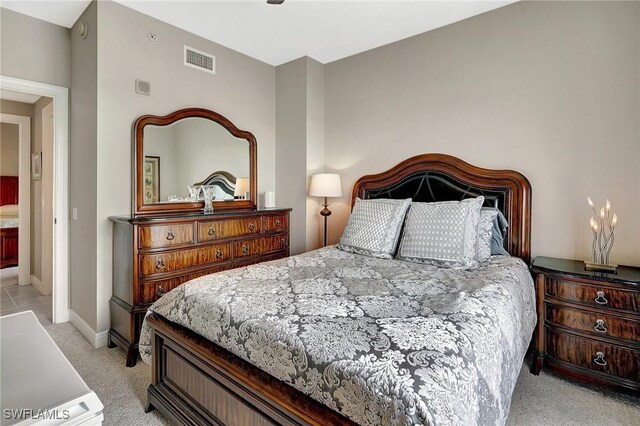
{"type": "Point", "coordinates": [380, 341]}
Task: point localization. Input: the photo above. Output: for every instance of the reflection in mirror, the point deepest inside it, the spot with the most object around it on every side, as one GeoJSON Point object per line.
{"type": "Point", "coordinates": [192, 152]}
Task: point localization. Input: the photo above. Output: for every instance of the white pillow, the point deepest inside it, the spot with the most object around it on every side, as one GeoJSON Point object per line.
{"type": "Point", "coordinates": [445, 233]}
{"type": "Point", "coordinates": [9, 210]}
{"type": "Point", "coordinates": [374, 227]}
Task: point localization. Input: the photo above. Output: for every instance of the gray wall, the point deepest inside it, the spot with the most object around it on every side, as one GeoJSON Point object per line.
{"type": "Point", "coordinates": [551, 89]}
{"type": "Point", "coordinates": [243, 90]}
{"type": "Point", "coordinates": [300, 147]}
{"type": "Point", "coordinates": [34, 50]}
{"type": "Point", "coordinates": [83, 170]}
{"type": "Point", "coordinates": [9, 149]}
{"type": "Point", "coordinates": [291, 150]}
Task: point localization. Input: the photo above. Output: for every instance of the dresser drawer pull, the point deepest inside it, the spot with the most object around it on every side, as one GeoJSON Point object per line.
{"type": "Point", "coordinates": [283, 242]}
{"type": "Point", "coordinates": [245, 248]}
{"type": "Point", "coordinates": [160, 264]}
{"type": "Point", "coordinates": [600, 327]}
{"type": "Point", "coordinates": [211, 231]}
{"type": "Point", "coordinates": [252, 226]}
{"type": "Point", "coordinates": [160, 290]}
{"type": "Point", "coordinates": [599, 359]}
{"type": "Point", "coordinates": [218, 254]}
{"type": "Point", "coordinates": [278, 223]}
{"type": "Point", "coordinates": [600, 299]}
{"type": "Point", "coordinates": [170, 235]}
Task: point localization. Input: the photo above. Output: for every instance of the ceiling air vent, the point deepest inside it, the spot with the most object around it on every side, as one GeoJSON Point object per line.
{"type": "Point", "coordinates": [199, 60]}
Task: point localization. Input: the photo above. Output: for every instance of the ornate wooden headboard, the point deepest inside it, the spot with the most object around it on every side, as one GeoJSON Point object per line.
{"type": "Point", "coordinates": [8, 190]}
{"type": "Point", "coordinates": [441, 177]}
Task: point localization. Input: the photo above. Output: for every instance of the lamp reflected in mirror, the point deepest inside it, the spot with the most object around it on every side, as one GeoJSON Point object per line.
{"type": "Point", "coordinates": [241, 191]}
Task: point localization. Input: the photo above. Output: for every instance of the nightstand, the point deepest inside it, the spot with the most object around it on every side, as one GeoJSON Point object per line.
{"type": "Point", "coordinates": [588, 323]}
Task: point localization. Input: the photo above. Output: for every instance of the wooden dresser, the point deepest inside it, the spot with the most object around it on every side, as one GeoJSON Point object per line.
{"type": "Point", "coordinates": [588, 323]}
{"type": "Point", "coordinates": [151, 256]}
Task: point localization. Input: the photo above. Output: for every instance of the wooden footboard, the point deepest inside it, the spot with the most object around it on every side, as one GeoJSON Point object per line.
{"type": "Point", "coordinates": [196, 382]}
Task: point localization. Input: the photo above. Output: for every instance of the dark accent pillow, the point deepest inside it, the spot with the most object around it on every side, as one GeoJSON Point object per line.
{"type": "Point", "coordinates": [500, 226]}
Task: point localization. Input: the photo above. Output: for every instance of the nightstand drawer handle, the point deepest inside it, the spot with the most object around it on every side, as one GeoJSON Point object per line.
{"type": "Point", "coordinates": [278, 223]}
{"type": "Point", "coordinates": [160, 264]}
{"type": "Point", "coordinates": [245, 248]}
{"type": "Point", "coordinates": [600, 327]}
{"type": "Point", "coordinates": [599, 359]}
{"type": "Point", "coordinates": [218, 254]}
{"type": "Point", "coordinates": [600, 299]}
{"type": "Point", "coordinates": [283, 242]}
{"type": "Point", "coordinates": [160, 290]}
{"type": "Point", "coordinates": [252, 226]}
{"type": "Point", "coordinates": [170, 235]}
{"type": "Point", "coordinates": [211, 231]}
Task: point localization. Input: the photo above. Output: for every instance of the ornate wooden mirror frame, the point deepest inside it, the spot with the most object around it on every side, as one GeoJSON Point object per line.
{"type": "Point", "coordinates": [141, 209]}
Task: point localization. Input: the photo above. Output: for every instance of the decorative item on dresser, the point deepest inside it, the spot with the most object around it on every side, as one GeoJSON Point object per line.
{"type": "Point", "coordinates": [588, 323]}
{"type": "Point", "coordinates": [167, 240]}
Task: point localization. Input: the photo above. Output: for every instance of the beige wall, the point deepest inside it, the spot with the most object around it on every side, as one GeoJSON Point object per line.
{"type": "Point", "coordinates": [37, 195]}
{"type": "Point", "coordinates": [9, 149]}
{"type": "Point", "coordinates": [551, 89]}
{"type": "Point", "coordinates": [83, 174]}
{"type": "Point", "coordinates": [35, 50]}
{"type": "Point", "coordinates": [243, 90]}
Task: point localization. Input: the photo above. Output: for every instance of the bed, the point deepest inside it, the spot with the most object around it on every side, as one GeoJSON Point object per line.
{"type": "Point", "coordinates": [9, 221]}
{"type": "Point", "coordinates": [330, 337]}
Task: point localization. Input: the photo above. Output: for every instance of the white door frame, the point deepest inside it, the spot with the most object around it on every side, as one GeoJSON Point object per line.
{"type": "Point", "coordinates": [24, 194]}
{"type": "Point", "coordinates": [60, 97]}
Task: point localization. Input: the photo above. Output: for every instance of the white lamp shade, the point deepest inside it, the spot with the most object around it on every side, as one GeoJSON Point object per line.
{"type": "Point", "coordinates": [242, 187]}
{"type": "Point", "coordinates": [325, 185]}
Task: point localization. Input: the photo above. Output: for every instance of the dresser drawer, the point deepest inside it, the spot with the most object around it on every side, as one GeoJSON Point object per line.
{"type": "Point", "coordinates": [152, 290]}
{"type": "Point", "coordinates": [159, 236]}
{"type": "Point", "coordinates": [213, 230]}
{"type": "Point", "coordinates": [595, 323]}
{"type": "Point", "coordinates": [594, 355]}
{"type": "Point", "coordinates": [593, 295]}
{"type": "Point", "coordinates": [183, 259]}
{"type": "Point", "coordinates": [261, 245]}
{"type": "Point", "coordinates": [274, 223]}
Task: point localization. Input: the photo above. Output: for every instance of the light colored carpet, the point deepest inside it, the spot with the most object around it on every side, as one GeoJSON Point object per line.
{"type": "Point", "coordinates": [538, 400]}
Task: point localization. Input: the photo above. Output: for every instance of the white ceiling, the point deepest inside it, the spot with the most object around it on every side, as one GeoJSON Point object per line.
{"type": "Point", "coordinates": [10, 95]}
{"type": "Point", "coordinates": [324, 30]}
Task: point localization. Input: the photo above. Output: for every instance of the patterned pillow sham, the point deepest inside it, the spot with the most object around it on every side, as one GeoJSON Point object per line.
{"type": "Point", "coordinates": [445, 233]}
{"type": "Point", "coordinates": [374, 227]}
{"type": "Point", "coordinates": [485, 232]}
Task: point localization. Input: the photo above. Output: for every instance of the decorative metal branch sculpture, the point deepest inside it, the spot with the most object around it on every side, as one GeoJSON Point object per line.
{"type": "Point", "coordinates": [603, 226]}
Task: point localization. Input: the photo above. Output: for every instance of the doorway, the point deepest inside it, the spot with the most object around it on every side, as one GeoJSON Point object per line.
{"type": "Point", "coordinates": [49, 185]}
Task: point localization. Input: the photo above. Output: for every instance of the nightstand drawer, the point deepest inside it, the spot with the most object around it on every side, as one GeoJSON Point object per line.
{"type": "Point", "coordinates": [594, 355]}
{"type": "Point", "coordinates": [593, 295]}
{"type": "Point", "coordinates": [595, 323]}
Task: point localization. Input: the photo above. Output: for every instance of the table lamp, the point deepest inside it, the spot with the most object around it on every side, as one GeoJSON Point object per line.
{"type": "Point", "coordinates": [325, 185]}
{"type": "Point", "coordinates": [242, 188]}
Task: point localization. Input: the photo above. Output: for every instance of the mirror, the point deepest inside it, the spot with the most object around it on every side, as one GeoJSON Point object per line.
{"type": "Point", "coordinates": [190, 160]}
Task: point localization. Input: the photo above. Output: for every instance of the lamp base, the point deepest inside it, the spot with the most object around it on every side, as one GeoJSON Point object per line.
{"type": "Point", "coordinates": [598, 267]}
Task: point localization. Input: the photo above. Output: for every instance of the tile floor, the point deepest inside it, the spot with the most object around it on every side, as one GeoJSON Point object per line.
{"type": "Point", "coordinates": [17, 298]}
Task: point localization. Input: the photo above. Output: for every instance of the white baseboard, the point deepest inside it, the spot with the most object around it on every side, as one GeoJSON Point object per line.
{"type": "Point", "coordinates": [35, 282]}
{"type": "Point", "coordinates": [96, 339]}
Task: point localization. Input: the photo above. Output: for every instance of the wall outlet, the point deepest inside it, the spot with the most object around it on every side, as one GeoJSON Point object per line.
{"type": "Point", "coordinates": [74, 213]}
